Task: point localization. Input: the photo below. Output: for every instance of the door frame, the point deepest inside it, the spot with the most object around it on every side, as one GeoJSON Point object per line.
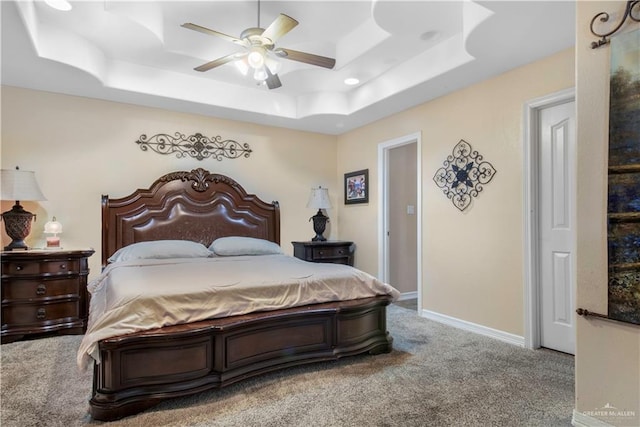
{"type": "Point", "coordinates": [383, 206]}
{"type": "Point", "coordinates": [531, 167]}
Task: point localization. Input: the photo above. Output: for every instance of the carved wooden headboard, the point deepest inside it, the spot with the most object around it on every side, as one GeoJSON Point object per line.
{"type": "Point", "coordinates": [196, 205]}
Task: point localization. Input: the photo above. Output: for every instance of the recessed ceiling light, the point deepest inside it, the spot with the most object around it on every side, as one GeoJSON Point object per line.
{"type": "Point", "coordinates": [351, 81]}
{"type": "Point", "coordinates": [63, 5]}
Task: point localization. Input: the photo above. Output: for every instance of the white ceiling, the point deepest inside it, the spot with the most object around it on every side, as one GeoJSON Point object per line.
{"type": "Point", "coordinates": [403, 52]}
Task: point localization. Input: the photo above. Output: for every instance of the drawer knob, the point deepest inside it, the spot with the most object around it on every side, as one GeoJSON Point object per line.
{"type": "Point", "coordinates": [321, 253]}
{"type": "Point", "coordinates": [41, 313]}
{"type": "Point", "coordinates": [41, 289]}
{"type": "Point", "coordinates": [340, 251]}
{"type": "Point", "coordinates": [63, 266]}
{"type": "Point", "coordinates": [18, 267]}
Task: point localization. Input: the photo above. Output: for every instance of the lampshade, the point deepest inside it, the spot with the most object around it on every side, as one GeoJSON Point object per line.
{"type": "Point", "coordinates": [319, 198]}
{"type": "Point", "coordinates": [20, 185]}
{"type": "Point", "coordinates": [256, 57]}
{"type": "Point", "coordinates": [53, 227]}
{"type": "Point", "coordinates": [273, 65]}
{"type": "Point", "coordinates": [242, 65]}
{"type": "Point", "coordinates": [260, 74]}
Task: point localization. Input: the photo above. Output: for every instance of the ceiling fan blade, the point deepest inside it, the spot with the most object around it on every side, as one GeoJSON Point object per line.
{"type": "Point", "coordinates": [210, 32]}
{"type": "Point", "coordinates": [217, 62]}
{"type": "Point", "coordinates": [273, 81]}
{"type": "Point", "coordinates": [307, 58]}
{"type": "Point", "coordinates": [278, 28]}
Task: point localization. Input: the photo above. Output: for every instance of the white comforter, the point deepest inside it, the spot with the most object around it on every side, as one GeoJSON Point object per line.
{"type": "Point", "coordinates": [147, 294]}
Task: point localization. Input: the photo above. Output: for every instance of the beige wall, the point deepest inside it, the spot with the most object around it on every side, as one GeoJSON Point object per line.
{"type": "Point", "coordinates": [82, 148]}
{"type": "Point", "coordinates": [473, 260]}
{"type": "Point", "coordinates": [607, 354]}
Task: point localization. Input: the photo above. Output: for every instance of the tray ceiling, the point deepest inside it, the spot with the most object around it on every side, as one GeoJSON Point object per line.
{"type": "Point", "coordinates": [403, 53]}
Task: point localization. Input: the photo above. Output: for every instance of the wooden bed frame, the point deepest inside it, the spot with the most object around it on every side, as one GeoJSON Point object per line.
{"type": "Point", "coordinates": [139, 370]}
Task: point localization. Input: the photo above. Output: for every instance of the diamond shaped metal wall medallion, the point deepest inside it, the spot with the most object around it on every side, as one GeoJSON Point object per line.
{"type": "Point", "coordinates": [464, 174]}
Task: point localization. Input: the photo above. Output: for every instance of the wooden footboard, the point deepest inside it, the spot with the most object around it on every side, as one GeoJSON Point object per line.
{"type": "Point", "coordinates": [139, 370]}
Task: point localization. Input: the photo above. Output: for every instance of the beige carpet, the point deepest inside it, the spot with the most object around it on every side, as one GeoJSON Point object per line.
{"type": "Point", "coordinates": [436, 376]}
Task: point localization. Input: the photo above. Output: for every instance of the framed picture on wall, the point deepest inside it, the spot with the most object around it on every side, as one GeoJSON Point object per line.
{"type": "Point", "coordinates": [624, 179]}
{"type": "Point", "coordinates": [356, 187]}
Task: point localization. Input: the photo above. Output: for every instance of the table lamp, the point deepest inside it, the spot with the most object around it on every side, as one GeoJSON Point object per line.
{"type": "Point", "coordinates": [18, 185]}
{"type": "Point", "coordinates": [55, 228]}
{"type": "Point", "coordinates": [319, 199]}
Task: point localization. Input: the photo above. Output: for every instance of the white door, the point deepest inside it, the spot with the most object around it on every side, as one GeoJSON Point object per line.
{"type": "Point", "coordinates": [557, 225]}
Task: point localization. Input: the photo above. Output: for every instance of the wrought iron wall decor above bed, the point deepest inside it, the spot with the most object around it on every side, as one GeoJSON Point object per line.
{"type": "Point", "coordinates": [464, 174]}
{"type": "Point", "coordinates": [197, 146]}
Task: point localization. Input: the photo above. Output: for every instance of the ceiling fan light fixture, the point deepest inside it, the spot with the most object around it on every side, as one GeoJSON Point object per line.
{"type": "Point", "coordinates": [242, 66]}
{"type": "Point", "coordinates": [260, 74]}
{"type": "Point", "coordinates": [273, 65]}
{"type": "Point", "coordinates": [256, 58]}
{"type": "Point", "coordinates": [351, 81]}
{"type": "Point", "coordinates": [260, 53]}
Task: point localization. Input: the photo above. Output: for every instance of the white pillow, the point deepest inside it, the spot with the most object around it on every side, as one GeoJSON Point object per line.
{"type": "Point", "coordinates": [236, 245]}
{"type": "Point", "coordinates": [159, 249]}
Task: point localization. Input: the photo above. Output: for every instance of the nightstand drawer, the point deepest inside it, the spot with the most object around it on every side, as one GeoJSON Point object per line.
{"type": "Point", "coordinates": [26, 268]}
{"type": "Point", "coordinates": [32, 289]}
{"type": "Point", "coordinates": [330, 252]}
{"type": "Point", "coordinates": [327, 251]}
{"type": "Point", "coordinates": [25, 314]}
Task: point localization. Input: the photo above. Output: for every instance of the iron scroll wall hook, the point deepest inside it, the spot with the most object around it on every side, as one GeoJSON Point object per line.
{"type": "Point", "coordinates": [631, 8]}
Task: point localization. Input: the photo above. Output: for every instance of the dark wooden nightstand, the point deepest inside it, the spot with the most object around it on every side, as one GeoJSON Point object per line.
{"type": "Point", "coordinates": [44, 292]}
{"type": "Point", "coordinates": [334, 251]}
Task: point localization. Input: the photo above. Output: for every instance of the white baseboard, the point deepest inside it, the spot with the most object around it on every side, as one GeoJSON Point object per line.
{"type": "Point", "coordinates": [581, 420]}
{"type": "Point", "coordinates": [473, 327]}
{"type": "Point", "coordinates": [408, 295]}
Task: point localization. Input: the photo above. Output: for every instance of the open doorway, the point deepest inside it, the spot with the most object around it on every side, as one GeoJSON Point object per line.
{"type": "Point", "coordinates": [400, 212]}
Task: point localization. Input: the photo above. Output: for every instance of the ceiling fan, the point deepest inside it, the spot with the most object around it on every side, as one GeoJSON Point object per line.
{"type": "Point", "coordinates": [260, 51]}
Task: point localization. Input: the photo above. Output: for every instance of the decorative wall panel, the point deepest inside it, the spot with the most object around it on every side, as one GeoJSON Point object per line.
{"type": "Point", "coordinates": [560, 179]}
{"type": "Point", "coordinates": [197, 146]}
{"type": "Point", "coordinates": [463, 175]}
{"type": "Point", "coordinates": [562, 288]}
